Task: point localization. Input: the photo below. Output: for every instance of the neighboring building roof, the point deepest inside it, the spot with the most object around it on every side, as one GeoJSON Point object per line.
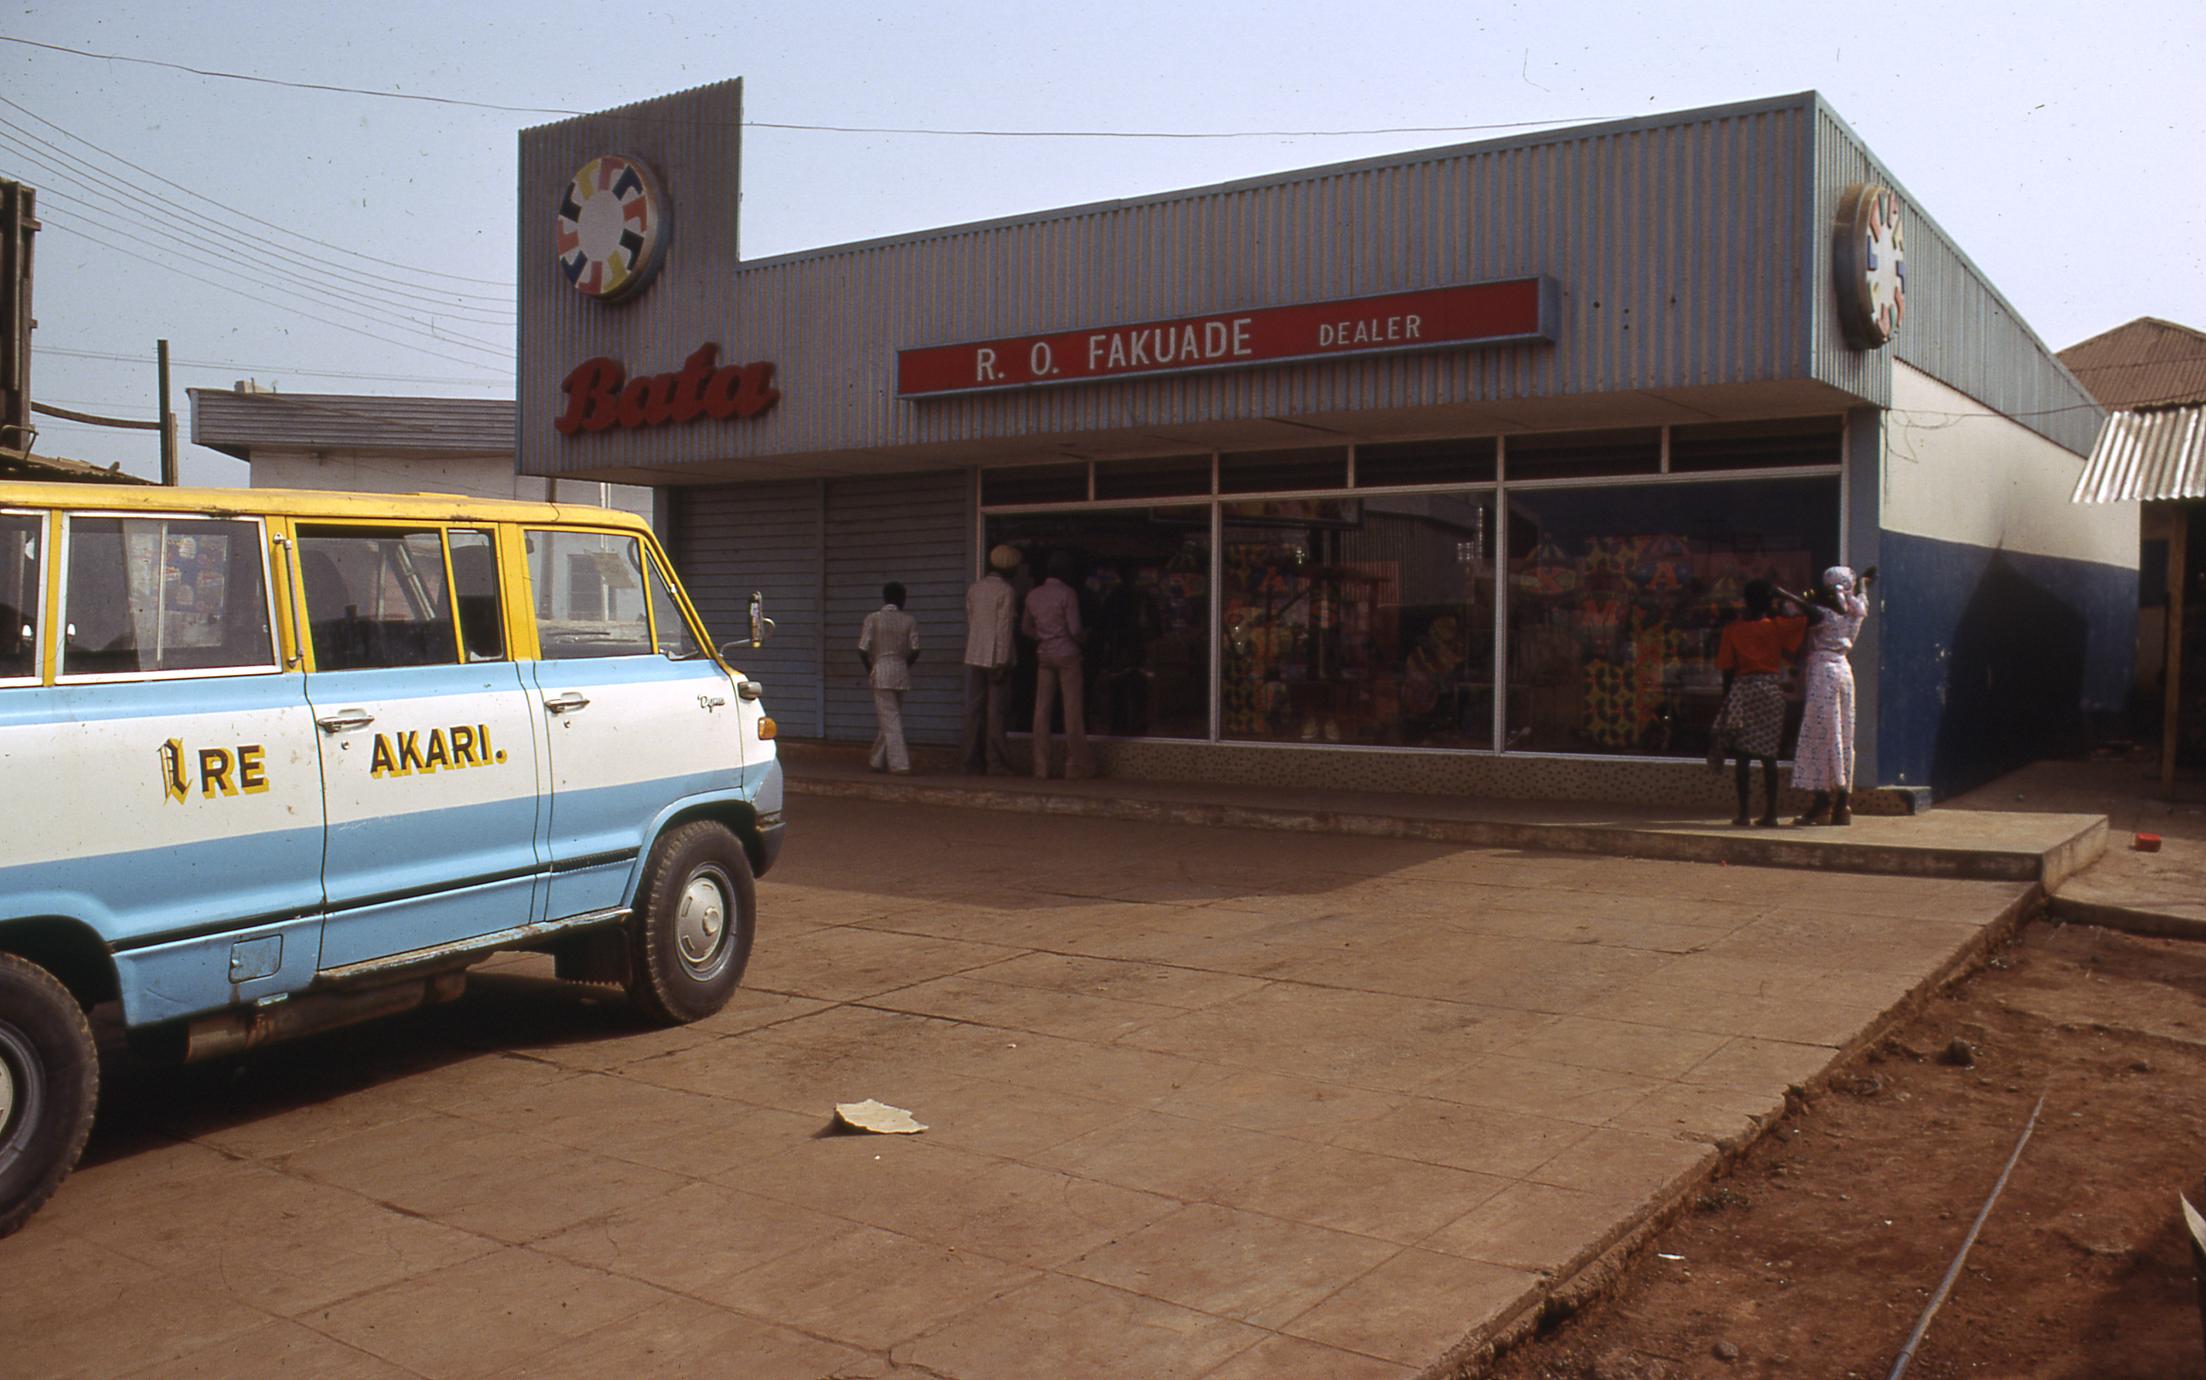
{"type": "Point", "coordinates": [237, 423]}
{"type": "Point", "coordinates": [2147, 453]}
{"type": "Point", "coordinates": [20, 465]}
{"type": "Point", "coordinates": [2147, 363]}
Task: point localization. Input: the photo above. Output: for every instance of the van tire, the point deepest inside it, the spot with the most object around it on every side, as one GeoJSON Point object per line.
{"type": "Point", "coordinates": [51, 1073]}
{"type": "Point", "coordinates": [690, 937]}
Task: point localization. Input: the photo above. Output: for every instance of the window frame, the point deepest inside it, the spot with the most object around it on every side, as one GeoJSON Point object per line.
{"type": "Point", "coordinates": [494, 531]}
{"type": "Point", "coordinates": [1842, 467]}
{"type": "Point", "coordinates": [302, 524]}
{"type": "Point", "coordinates": [68, 518]}
{"type": "Point", "coordinates": [679, 598]}
{"type": "Point", "coordinates": [646, 551]}
{"type": "Point", "coordinates": [41, 623]}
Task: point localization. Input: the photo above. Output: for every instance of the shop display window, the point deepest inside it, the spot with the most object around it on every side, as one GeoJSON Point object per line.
{"type": "Point", "coordinates": [1406, 463]}
{"type": "Point", "coordinates": [1756, 445]}
{"type": "Point", "coordinates": [1143, 576]}
{"type": "Point", "coordinates": [1035, 484]}
{"type": "Point", "coordinates": [1617, 596]}
{"type": "Point", "coordinates": [1182, 476]}
{"type": "Point", "coordinates": [1365, 621]}
{"type": "Point", "coordinates": [1258, 471]}
{"type": "Point", "coordinates": [1584, 454]}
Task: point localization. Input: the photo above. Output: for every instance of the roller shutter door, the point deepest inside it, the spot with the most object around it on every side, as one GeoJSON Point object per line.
{"type": "Point", "coordinates": [917, 529]}
{"type": "Point", "coordinates": [820, 552]}
{"type": "Point", "coordinates": [730, 541]}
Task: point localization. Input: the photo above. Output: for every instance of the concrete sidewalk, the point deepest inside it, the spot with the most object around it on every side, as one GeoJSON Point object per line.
{"type": "Point", "coordinates": [2045, 845]}
{"type": "Point", "coordinates": [2157, 893]}
{"type": "Point", "coordinates": [1219, 1103]}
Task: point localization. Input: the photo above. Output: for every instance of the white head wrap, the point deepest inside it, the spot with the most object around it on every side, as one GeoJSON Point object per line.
{"type": "Point", "coordinates": [1839, 577]}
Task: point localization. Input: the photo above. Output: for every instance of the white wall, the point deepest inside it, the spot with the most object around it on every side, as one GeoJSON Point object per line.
{"type": "Point", "coordinates": [477, 476]}
{"type": "Point", "coordinates": [1956, 471]}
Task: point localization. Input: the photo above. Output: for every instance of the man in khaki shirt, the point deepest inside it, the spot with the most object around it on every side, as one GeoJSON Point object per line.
{"type": "Point", "coordinates": [888, 644]}
{"type": "Point", "coordinates": [989, 653]}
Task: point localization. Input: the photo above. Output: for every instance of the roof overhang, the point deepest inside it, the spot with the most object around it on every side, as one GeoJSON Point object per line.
{"type": "Point", "coordinates": [2147, 454]}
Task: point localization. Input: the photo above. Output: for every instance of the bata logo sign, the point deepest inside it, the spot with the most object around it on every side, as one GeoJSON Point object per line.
{"type": "Point", "coordinates": [1440, 318]}
{"type": "Point", "coordinates": [601, 396]}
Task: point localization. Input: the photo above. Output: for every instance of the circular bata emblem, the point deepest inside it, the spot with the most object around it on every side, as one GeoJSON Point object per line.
{"type": "Point", "coordinates": [612, 226]}
{"type": "Point", "coordinates": [1871, 267]}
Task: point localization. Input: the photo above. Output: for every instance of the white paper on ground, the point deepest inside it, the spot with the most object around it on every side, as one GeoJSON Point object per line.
{"type": "Point", "coordinates": [878, 1117]}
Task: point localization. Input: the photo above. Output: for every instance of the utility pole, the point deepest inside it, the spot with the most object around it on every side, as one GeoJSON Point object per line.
{"type": "Point", "coordinates": [18, 227]}
{"type": "Point", "coordinates": [168, 418]}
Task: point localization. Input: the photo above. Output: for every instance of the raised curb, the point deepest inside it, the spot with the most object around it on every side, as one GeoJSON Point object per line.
{"type": "Point", "coordinates": [2152, 924]}
{"type": "Point", "coordinates": [1743, 849]}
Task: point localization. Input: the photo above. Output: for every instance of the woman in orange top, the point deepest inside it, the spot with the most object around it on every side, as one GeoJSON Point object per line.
{"type": "Point", "coordinates": [1751, 724]}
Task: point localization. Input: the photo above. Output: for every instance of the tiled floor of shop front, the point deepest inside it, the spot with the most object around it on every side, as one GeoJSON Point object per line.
{"type": "Point", "coordinates": [1203, 1102]}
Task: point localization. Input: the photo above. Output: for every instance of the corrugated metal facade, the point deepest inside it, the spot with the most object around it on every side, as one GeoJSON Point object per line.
{"type": "Point", "coordinates": [1681, 245]}
{"type": "Point", "coordinates": [1958, 329]}
{"type": "Point", "coordinates": [820, 551]}
{"type": "Point", "coordinates": [692, 142]}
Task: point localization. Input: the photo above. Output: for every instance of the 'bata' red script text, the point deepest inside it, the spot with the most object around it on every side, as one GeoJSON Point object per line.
{"type": "Point", "coordinates": [601, 396]}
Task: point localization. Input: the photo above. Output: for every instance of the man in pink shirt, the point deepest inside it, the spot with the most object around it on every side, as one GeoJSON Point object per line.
{"type": "Point", "coordinates": [1052, 619]}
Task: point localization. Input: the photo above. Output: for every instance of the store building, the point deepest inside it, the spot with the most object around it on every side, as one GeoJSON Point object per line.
{"type": "Point", "coordinates": [1435, 471]}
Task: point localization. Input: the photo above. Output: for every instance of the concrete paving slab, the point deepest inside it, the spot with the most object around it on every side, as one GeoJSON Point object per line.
{"type": "Point", "coordinates": [1328, 1109]}
{"type": "Point", "coordinates": [2038, 846]}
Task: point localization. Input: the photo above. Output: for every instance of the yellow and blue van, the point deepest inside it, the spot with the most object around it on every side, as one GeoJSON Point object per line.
{"type": "Point", "coordinates": [272, 762]}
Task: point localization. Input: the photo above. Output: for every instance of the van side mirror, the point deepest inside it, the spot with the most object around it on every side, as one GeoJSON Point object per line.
{"type": "Point", "coordinates": [761, 627]}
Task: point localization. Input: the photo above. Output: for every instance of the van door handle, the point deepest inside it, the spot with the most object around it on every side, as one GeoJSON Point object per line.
{"type": "Point", "coordinates": [345, 720]}
{"type": "Point", "coordinates": [567, 703]}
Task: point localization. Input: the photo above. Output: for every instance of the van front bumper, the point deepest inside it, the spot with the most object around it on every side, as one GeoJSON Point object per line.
{"type": "Point", "coordinates": [770, 832]}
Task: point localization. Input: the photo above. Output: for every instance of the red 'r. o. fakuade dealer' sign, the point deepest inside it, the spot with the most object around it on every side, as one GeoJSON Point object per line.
{"type": "Point", "coordinates": [1516, 309]}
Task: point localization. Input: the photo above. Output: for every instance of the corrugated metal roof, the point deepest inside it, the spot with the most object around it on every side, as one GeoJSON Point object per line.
{"type": "Point", "coordinates": [2147, 363]}
{"type": "Point", "coordinates": [2156, 453]}
{"type": "Point", "coordinates": [43, 468]}
{"type": "Point", "coordinates": [238, 423]}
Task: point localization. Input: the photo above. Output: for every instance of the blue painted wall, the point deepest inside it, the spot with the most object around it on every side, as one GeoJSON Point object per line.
{"type": "Point", "coordinates": [1991, 659]}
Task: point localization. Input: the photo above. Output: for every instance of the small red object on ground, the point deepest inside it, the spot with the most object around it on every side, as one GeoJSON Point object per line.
{"type": "Point", "coordinates": [2146, 843]}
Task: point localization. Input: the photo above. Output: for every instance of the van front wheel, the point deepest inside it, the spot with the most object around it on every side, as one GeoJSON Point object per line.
{"type": "Point", "coordinates": [690, 937]}
{"type": "Point", "coordinates": [49, 1085]}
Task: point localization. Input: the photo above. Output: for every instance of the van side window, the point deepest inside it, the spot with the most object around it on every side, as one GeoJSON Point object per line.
{"type": "Point", "coordinates": [376, 597]}
{"type": "Point", "coordinates": [676, 641]}
{"type": "Point", "coordinates": [589, 594]}
{"type": "Point", "coordinates": [19, 595]}
{"type": "Point", "coordinates": [475, 592]}
{"type": "Point", "coordinates": [164, 594]}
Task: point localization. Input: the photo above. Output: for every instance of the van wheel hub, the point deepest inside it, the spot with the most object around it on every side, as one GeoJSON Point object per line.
{"type": "Point", "coordinates": [701, 920]}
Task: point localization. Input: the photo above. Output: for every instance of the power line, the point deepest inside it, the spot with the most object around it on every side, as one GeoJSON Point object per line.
{"type": "Point", "coordinates": [280, 306]}
{"type": "Point", "coordinates": [76, 171]}
{"type": "Point", "coordinates": [247, 215]}
{"type": "Point", "coordinates": [815, 128]}
{"type": "Point", "coordinates": [394, 320]}
{"type": "Point", "coordinates": [269, 275]}
{"type": "Point", "coordinates": [227, 364]}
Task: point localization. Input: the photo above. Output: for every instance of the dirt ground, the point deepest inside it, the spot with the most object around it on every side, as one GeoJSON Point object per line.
{"type": "Point", "coordinates": [1816, 1253]}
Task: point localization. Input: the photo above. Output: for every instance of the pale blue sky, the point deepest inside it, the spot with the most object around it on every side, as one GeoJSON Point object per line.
{"type": "Point", "coordinates": [2058, 146]}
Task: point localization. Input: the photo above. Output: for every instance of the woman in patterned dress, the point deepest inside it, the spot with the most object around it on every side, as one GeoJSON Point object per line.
{"type": "Point", "coordinates": [1751, 724]}
{"type": "Point", "coordinates": [1823, 760]}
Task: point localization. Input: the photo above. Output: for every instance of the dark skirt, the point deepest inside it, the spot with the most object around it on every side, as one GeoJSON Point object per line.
{"type": "Point", "coordinates": [1752, 720]}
